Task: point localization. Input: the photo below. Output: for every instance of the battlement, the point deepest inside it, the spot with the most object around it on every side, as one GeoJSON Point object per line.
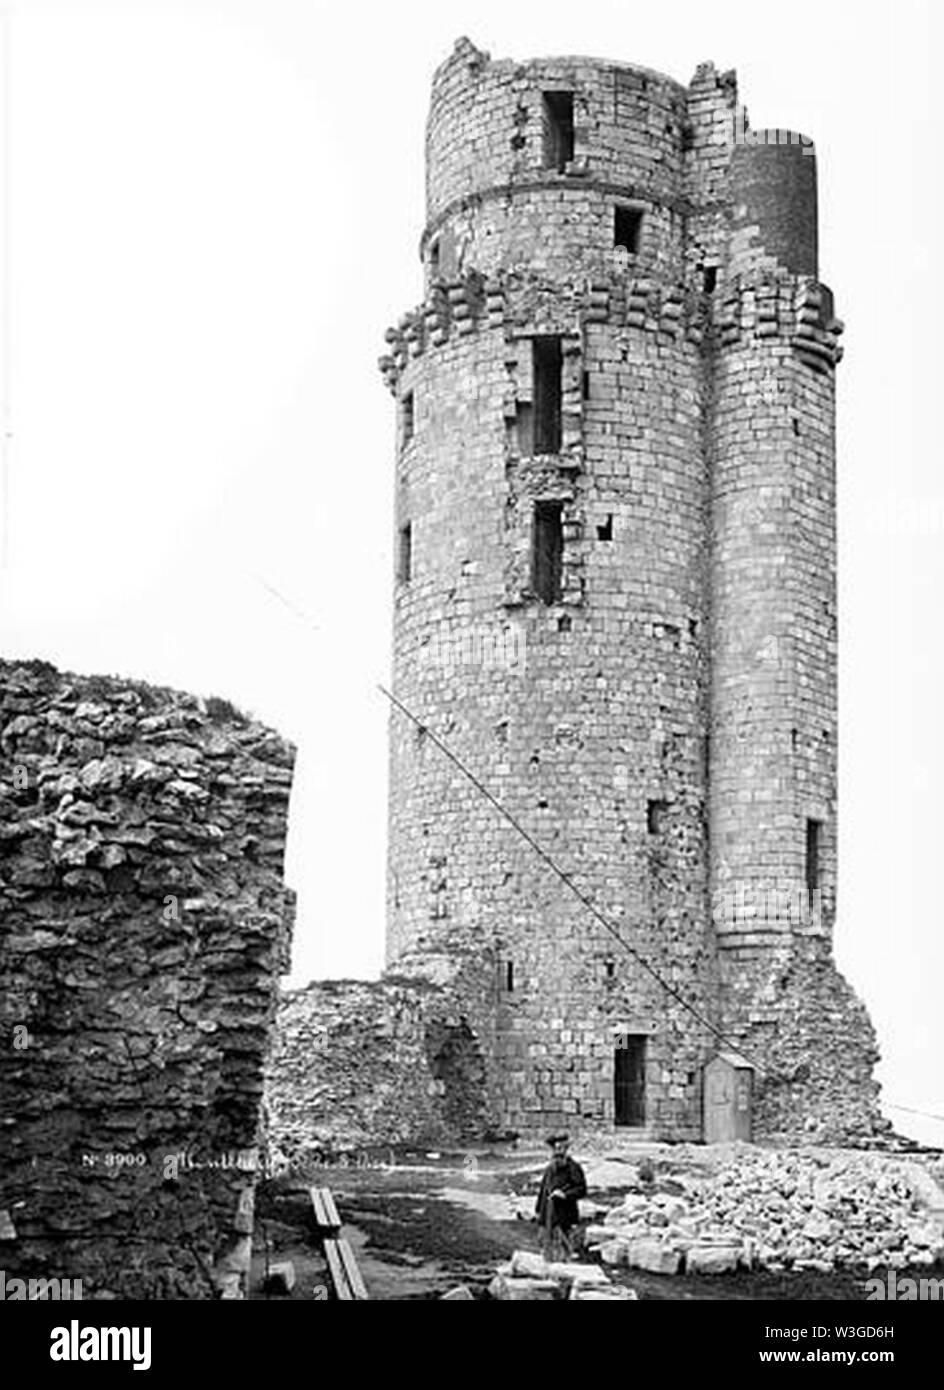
{"type": "Point", "coordinates": [795, 309]}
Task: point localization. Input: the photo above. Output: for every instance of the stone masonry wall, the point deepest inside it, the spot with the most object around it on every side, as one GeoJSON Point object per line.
{"type": "Point", "coordinates": [143, 926]}
{"type": "Point", "coordinates": [664, 723]}
{"type": "Point", "coordinates": [794, 1013]}
{"type": "Point", "coordinates": [359, 1064]}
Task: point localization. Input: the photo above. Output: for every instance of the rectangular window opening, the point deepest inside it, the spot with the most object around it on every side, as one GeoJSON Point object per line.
{"type": "Point", "coordinates": [406, 418]}
{"type": "Point", "coordinates": [655, 816]}
{"type": "Point", "coordinates": [547, 391]}
{"type": "Point", "coordinates": [510, 976]}
{"type": "Point", "coordinates": [814, 845]}
{"type": "Point", "coordinates": [558, 122]}
{"type": "Point", "coordinates": [524, 423]}
{"type": "Point", "coordinates": [710, 278]}
{"type": "Point", "coordinates": [547, 548]}
{"type": "Point", "coordinates": [605, 529]}
{"type": "Point", "coordinates": [627, 224]}
{"type": "Point", "coordinates": [405, 554]}
{"type": "Point", "coordinates": [434, 259]}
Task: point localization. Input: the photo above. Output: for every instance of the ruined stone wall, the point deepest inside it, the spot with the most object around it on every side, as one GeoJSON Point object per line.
{"type": "Point", "coordinates": [665, 725]}
{"type": "Point", "coordinates": [360, 1064]}
{"type": "Point", "coordinates": [797, 1017]}
{"type": "Point", "coordinates": [143, 926]}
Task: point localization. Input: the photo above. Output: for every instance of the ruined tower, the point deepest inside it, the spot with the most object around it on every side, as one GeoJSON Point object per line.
{"type": "Point", "coordinates": [615, 599]}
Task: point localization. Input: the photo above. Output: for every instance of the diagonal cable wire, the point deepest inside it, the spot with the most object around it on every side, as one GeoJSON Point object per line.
{"type": "Point", "coordinates": [910, 1110]}
{"type": "Point", "coordinates": [568, 883]}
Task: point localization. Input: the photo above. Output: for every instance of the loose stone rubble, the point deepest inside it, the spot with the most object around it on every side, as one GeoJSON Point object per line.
{"type": "Point", "coordinates": [527, 1277]}
{"type": "Point", "coordinates": [780, 1210]}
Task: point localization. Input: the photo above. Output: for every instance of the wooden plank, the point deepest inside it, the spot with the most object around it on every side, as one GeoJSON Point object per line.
{"type": "Point", "coordinates": [358, 1287]}
{"type": "Point", "coordinates": [324, 1210]}
{"type": "Point", "coordinates": [339, 1274]}
{"type": "Point", "coordinates": [330, 1210]}
{"type": "Point", "coordinates": [317, 1206]}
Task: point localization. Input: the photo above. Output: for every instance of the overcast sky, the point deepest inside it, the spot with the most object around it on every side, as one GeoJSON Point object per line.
{"type": "Point", "coordinates": [213, 215]}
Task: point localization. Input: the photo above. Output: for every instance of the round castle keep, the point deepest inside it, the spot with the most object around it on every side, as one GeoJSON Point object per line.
{"type": "Point", "coordinates": [615, 598]}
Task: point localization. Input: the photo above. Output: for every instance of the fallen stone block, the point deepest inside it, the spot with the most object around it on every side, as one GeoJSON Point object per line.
{"type": "Point", "coordinates": [509, 1290]}
{"type": "Point", "coordinates": [615, 1252]}
{"type": "Point", "coordinates": [630, 1208]}
{"type": "Point", "coordinates": [673, 1208]}
{"type": "Point", "coordinates": [527, 1264]}
{"type": "Point", "coordinates": [654, 1257]}
{"type": "Point", "coordinates": [615, 1293]}
{"type": "Point", "coordinates": [712, 1259]}
{"type": "Point", "coordinates": [462, 1293]}
{"type": "Point", "coordinates": [817, 1227]}
{"type": "Point", "coordinates": [577, 1274]}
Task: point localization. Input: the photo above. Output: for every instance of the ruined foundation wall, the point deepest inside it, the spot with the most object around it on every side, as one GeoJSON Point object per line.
{"type": "Point", "coordinates": [143, 926]}
{"type": "Point", "coordinates": [360, 1064]}
{"type": "Point", "coordinates": [798, 1017]}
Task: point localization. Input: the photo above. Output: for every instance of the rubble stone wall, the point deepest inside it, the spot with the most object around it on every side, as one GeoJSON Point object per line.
{"type": "Point", "coordinates": [144, 923]}
{"type": "Point", "coordinates": [360, 1064]}
{"type": "Point", "coordinates": [796, 1015]}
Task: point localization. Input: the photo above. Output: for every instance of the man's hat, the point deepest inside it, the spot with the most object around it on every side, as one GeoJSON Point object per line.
{"type": "Point", "coordinates": [553, 1139]}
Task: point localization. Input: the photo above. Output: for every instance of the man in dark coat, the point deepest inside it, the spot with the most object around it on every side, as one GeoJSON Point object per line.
{"type": "Point", "coordinates": [562, 1185]}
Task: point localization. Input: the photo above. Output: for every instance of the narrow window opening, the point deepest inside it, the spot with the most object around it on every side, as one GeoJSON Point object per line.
{"type": "Point", "coordinates": [524, 423]}
{"type": "Point", "coordinates": [796, 426]}
{"type": "Point", "coordinates": [548, 362]}
{"type": "Point", "coordinates": [814, 839]}
{"type": "Point", "coordinates": [627, 223]}
{"type": "Point", "coordinates": [655, 816]}
{"type": "Point", "coordinates": [586, 386]}
{"type": "Point", "coordinates": [547, 547]}
{"type": "Point", "coordinates": [564, 623]}
{"type": "Point", "coordinates": [405, 554]}
{"type": "Point", "coordinates": [406, 418]}
{"type": "Point", "coordinates": [710, 275]}
{"type": "Point", "coordinates": [434, 259]}
{"type": "Point", "coordinates": [605, 531]}
{"type": "Point", "coordinates": [610, 968]}
{"type": "Point", "coordinates": [558, 130]}
{"type": "Point", "coordinates": [510, 976]}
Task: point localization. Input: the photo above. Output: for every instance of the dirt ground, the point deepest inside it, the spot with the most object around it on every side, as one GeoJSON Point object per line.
{"type": "Point", "coordinates": [421, 1223]}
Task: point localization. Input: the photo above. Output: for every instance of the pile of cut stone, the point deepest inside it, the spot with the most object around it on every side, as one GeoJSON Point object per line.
{"type": "Point", "coordinates": [528, 1277]}
{"type": "Point", "coordinates": [779, 1210]}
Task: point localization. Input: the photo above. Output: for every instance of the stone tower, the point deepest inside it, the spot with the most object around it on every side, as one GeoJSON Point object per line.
{"type": "Point", "coordinates": [615, 599]}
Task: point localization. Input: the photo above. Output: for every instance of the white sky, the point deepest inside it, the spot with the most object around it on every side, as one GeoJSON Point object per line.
{"type": "Point", "coordinates": [214, 214]}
